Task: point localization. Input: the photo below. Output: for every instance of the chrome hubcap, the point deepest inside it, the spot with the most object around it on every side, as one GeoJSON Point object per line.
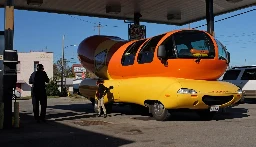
{"type": "Point", "coordinates": [158, 109]}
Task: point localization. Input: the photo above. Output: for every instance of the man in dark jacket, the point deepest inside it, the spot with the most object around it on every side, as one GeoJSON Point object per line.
{"type": "Point", "coordinates": [100, 95]}
{"type": "Point", "coordinates": [39, 92]}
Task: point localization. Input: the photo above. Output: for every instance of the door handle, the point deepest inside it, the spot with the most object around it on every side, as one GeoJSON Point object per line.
{"type": "Point", "coordinates": [241, 82]}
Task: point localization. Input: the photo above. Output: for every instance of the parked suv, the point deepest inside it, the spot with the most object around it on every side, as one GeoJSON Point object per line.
{"type": "Point", "coordinates": [243, 77]}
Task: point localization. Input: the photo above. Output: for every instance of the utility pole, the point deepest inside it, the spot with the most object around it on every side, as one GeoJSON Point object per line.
{"type": "Point", "coordinates": [62, 64]}
{"type": "Point", "coordinates": [189, 26]}
{"type": "Point", "coordinates": [98, 26]}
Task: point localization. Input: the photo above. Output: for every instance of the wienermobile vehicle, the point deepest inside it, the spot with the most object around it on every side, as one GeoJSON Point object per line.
{"type": "Point", "coordinates": [172, 71]}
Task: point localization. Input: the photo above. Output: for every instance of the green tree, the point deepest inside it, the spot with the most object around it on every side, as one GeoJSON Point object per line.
{"type": "Point", "coordinates": [52, 88]}
{"type": "Point", "coordinates": [57, 69]}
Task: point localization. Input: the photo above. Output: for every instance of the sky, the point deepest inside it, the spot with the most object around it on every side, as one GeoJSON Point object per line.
{"type": "Point", "coordinates": [37, 31]}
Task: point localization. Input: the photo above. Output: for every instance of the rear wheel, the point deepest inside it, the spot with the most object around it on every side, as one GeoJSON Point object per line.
{"type": "Point", "coordinates": [159, 112]}
{"type": "Point", "coordinates": [109, 107]}
{"type": "Point", "coordinates": [93, 101]}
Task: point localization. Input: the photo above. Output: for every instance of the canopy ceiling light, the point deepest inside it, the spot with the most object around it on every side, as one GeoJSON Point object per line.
{"type": "Point", "coordinates": [234, 1]}
{"type": "Point", "coordinates": [174, 16]}
{"type": "Point", "coordinates": [113, 8]}
{"type": "Point", "coordinates": [36, 3]}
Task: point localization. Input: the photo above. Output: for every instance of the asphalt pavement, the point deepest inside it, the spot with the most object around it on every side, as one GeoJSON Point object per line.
{"type": "Point", "coordinates": [71, 122]}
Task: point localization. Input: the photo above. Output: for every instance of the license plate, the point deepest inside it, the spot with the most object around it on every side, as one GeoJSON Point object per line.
{"type": "Point", "coordinates": [214, 108]}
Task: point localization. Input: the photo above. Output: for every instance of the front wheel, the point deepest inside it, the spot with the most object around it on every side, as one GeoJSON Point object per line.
{"type": "Point", "coordinates": [159, 112]}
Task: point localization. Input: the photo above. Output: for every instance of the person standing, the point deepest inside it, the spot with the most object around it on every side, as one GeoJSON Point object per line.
{"type": "Point", "coordinates": [101, 92]}
{"type": "Point", "coordinates": [39, 92]}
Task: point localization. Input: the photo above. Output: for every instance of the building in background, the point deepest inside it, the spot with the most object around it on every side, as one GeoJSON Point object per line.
{"type": "Point", "coordinates": [27, 63]}
{"type": "Point", "coordinates": [79, 72]}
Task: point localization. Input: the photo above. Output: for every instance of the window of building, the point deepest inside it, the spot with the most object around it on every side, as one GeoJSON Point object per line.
{"type": "Point", "coordinates": [35, 65]}
{"type": "Point", "coordinates": [249, 74]}
{"type": "Point", "coordinates": [18, 67]}
{"type": "Point", "coordinates": [130, 53]}
{"type": "Point", "coordinates": [231, 74]}
{"type": "Point", "coordinates": [146, 54]}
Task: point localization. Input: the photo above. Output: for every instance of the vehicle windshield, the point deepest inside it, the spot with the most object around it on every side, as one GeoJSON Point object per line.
{"type": "Point", "coordinates": [194, 44]}
{"type": "Point", "coordinates": [221, 50]}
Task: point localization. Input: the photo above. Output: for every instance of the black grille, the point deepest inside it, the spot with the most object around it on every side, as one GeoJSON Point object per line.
{"type": "Point", "coordinates": [216, 100]}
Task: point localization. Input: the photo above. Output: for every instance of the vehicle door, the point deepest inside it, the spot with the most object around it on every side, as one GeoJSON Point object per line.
{"type": "Point", "coordinates": [248, 82]}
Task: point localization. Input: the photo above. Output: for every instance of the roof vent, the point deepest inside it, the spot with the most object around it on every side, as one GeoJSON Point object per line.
{"type": "Point", "coordinates": [36, 3]}
{"type": "Point", "coordinates": [174, 16]}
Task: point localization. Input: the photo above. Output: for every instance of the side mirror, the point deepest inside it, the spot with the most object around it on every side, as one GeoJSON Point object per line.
{"type": "Point", "coordinates": [161, 52]}
{"type": "Point", "coordinates": [111, 87]}
{"type": "Point", "coordinates": [228, 56]}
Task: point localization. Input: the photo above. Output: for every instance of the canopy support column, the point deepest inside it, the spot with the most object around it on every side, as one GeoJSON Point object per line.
{"type": "Point", "coordinates": [210, 17]}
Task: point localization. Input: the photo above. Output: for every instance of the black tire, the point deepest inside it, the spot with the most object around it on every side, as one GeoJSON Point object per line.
{"type": "Point", "coordinates": [206, 114]}
{"type": "Point", "coordinates": [159, 112]}
{"type": "Point", "coordinates": [109, 107]}
{"type": "Point", "coordinates": [92, 101]}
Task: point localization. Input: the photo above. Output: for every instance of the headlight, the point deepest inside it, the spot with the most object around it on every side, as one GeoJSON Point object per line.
{"type": "Point", "coordinates": [239, 91]}
{"type": "Point", "coordinates": [186, 91]}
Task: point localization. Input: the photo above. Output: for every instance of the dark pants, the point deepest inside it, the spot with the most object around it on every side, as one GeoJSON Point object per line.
{"type": "Point", "coordinates": [42, 100]}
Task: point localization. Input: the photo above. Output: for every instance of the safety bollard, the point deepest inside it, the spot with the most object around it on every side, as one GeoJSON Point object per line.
{"type": "Point", "coordinates": [1, 115]}
{"type": "Point", "coordinates": [16, 115]}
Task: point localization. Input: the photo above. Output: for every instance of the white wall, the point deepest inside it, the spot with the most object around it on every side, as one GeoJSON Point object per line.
{"type": "Point", "coordinates": [27, 67]}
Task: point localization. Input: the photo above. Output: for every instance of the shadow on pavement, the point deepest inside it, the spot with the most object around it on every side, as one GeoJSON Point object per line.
{"type": "Point", "coordinates": [230, 113]}
{"type": "Point", "coordinates": [53, 134]}
{"type": "Point", "coordinates": [87, 107]}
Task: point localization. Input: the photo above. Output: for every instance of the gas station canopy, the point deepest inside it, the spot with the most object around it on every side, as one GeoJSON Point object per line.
{"type": "Point", "coordinates": [176, 12]}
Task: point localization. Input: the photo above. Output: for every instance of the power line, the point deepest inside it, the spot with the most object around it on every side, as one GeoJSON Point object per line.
{"type": "Point", "coordinates": [99, 25]}
{"type": "Point", "coordinates": [82, 20]}
{"type": "Point", "coordinates": [227, 17]}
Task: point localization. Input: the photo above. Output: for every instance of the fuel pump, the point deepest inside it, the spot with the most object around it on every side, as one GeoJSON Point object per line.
{"type": "Point", "coordinates": [8, 79]}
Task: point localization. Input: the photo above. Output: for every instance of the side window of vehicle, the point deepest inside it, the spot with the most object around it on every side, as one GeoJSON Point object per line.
{"type": "Point", "coordinates": [146, 54]}
{"type": "Point", "coordinates": [231, 74]}
{"type": "Point", "coordinates": [130, 53]}
{"type": "Point", "coordinates": [249, 74]}
{"type": "Point", "coordinates": [169, 46]}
